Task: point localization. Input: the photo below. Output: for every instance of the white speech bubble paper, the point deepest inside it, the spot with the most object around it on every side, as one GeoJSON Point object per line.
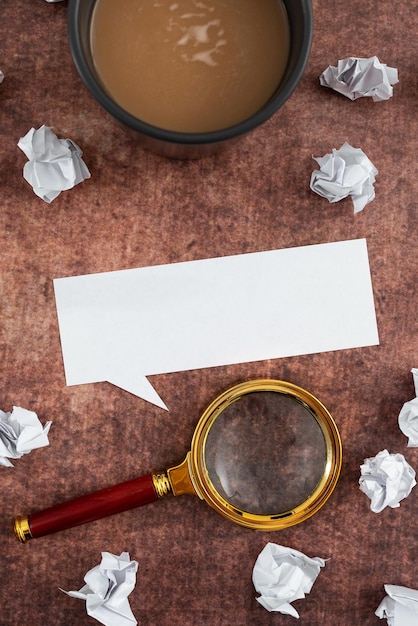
{"type": "Point", "coordinates": [125, 325]}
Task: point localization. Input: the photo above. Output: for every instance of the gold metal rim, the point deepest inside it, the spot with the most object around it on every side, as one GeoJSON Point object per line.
{"type": "Point", "coordinates": [288, 518]}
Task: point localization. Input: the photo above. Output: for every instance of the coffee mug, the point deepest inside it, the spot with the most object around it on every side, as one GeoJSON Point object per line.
{"type": "Point", "coordinates": [178, 143]}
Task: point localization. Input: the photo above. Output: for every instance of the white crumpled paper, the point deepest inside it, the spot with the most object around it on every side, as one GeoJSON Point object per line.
{"type": "Point", "coordinates": [282, 575]}
{"type": "Point", "coordinates": [54, 164]}
{"type": "Point", "coordinates": [399, 607]}
{"type": "Point", "coordinates": [408, 416]}
{"type": "Point", "coordinates": [345, 172]}
{"type": "Point", "coordinates": [1, 76]}
{"type": "Point", "coordinates": [107, 588]}
{"type": "Point", "coordinates": [386, 479]}
{"type": "Point", "coordinates": [20, 432]}
{"type": "Point", "coordinates": [357, 77]}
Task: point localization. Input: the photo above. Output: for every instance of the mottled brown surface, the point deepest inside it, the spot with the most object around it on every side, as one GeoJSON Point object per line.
{"type": "Point", "coordinates": [140, 209]}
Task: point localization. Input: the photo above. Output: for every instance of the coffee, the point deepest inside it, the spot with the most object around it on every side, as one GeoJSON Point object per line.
{"type": "Point", "coordinates": [191, 66]}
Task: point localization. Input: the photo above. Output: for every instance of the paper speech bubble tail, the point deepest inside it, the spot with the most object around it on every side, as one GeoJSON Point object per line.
{"type": "Point", "coordinates": [138, 385]}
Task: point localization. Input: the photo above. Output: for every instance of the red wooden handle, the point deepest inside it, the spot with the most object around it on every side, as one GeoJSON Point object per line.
{"type": "Point", "coordinates": [122, 497]}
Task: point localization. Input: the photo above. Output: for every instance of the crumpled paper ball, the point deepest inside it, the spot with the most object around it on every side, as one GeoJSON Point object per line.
{"type": "Point", "coordinates": [408, 416]}
{"type": "Point", "coordinates": [20, 432]}
{"type": "Point", "coordinates": [399, 607]}
{"type": "Point", "coordinates": [386, 479]}
{"type": "Point", "coordinates": [54, 164]}
{"type": "Point", "coordinates": [345, 172]}
{"type": "Point", "coordinates": [282, 575]}
{"type": "Point", "coordinates": [107, 588]}
{"type": "Point", "coordinates": [1, 76]}
{"type": "Point", "coordinates": [357, 77]}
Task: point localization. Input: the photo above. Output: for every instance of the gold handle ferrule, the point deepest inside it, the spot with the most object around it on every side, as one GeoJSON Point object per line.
{"type": "Point", "coordinates": [161, 484]}
{"type": "Point", "coordinates": [22, 528]}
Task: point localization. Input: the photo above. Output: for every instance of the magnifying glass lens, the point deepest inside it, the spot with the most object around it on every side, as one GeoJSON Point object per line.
{"type": "Point", "coordinates": [265, 453]}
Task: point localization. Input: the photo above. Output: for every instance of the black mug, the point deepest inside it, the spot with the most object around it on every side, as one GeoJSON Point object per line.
{"type": "Point", "coordinates": [180, 144]}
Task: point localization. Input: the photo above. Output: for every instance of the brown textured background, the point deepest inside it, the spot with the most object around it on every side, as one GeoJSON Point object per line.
{"type": "Point", "coordinates": [140, 209]}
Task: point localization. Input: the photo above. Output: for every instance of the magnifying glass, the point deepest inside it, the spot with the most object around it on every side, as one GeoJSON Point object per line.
{"type": "Point", "coordinates": [266, 454]}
